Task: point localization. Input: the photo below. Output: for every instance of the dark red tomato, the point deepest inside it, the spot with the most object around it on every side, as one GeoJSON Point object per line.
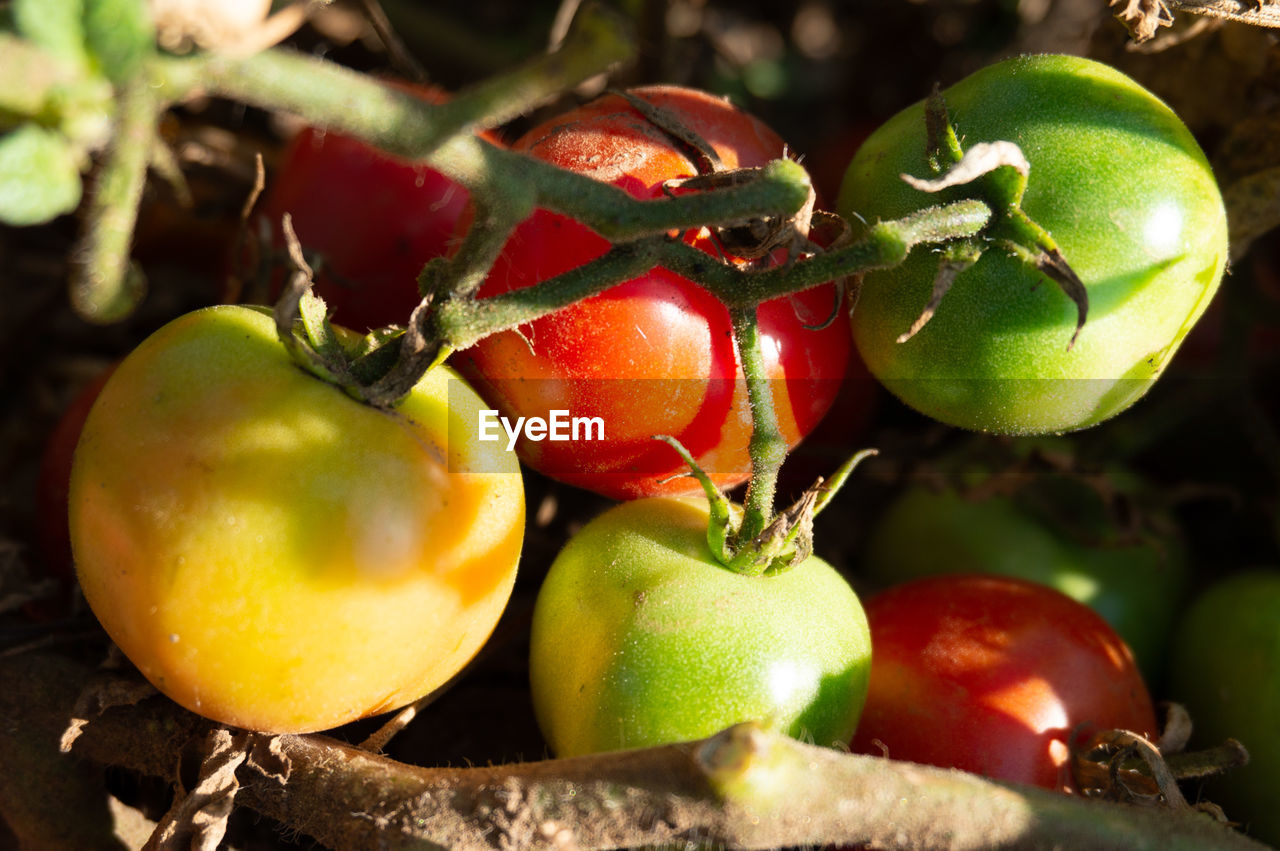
{"type": "Point", "coordinates": [656, 354]}
{"type": "Point", "coordinates": [991, 675]}
{"type": "Point", "coordinates": [373, 218]}
{"type": "Point", "coordinates": [54, 539]}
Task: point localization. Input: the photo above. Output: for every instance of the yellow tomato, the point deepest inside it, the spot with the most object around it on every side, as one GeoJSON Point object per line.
{"type": "Point", "coordinates": [272, 553]}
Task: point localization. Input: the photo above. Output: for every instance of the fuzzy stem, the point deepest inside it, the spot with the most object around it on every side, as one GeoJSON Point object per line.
{"type": "Point", "coordinates": [767, 447]}
{"type": "Point", "coordinates": [105, 286]}
{"type": "Point", "coordinates": [358, 105]}
{"type": "Point", "coordinates": [462, 322]}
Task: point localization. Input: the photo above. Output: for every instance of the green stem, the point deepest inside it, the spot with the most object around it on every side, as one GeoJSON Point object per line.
{"type": "Point", "coordinates": [885, 244]}
{"type": "Point", "coordinates": [767, 447]}
{"type": "Point", "coordinates": [105, 286]}
{"type": "Point", "coordinates": [484, 240]}
{"type": "Point", "coordinates": [361, 106]}
{"type": "Point", "coordinates": [461, 322]}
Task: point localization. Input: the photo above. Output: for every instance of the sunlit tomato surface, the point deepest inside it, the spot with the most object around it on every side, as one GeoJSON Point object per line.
{"type": "Point", "coordinates": [372, 220]}
{"type": "Point", "coordinates": [991, 675]}
{"type": "Point", "coordinates": [270, 552]}
{"type": "Point", "coordinates": [1224, 666]}
{"type": "Point", "coordinates": [1123, 188]}
{"type": "Point", "coordinates": [654, 355]}
{"type": "Point", "coordinates": [640, 638]}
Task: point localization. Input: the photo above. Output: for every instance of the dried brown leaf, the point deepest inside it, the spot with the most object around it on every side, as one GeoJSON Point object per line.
{"type": "Point", "coordinates": [98, 695]}
{"type": "Point", "coordinates": [1143, 17]}
{"type": "Point", "coordinates": [267, 756]}
{"type": "Point", "coordinates": [197, 821]}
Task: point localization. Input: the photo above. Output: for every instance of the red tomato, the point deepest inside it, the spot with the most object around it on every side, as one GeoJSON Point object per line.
{"type": "Point", "coordinates": [54, 538]}
{"type": "Point", "coordinates": [991, 675]}
{"type": "Point", "coordinates": [374, 219]}
{"type": "Point", "coordinates": [656, 354]}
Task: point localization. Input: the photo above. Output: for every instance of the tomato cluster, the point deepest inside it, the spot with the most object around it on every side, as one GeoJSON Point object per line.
{"type": "Point", "coordinates": [277, 555]}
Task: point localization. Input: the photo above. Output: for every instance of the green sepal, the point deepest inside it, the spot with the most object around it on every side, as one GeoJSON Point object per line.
{"type": "Point", "coordinates": [39, 176]}
{"type": "Point", "coordinates": [377, 355]}
{"type": "Point", "coordinates": [722, 525]}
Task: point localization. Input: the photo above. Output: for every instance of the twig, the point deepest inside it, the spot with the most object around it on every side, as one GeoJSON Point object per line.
{"type": "Point", "coordinates": [744, 788]}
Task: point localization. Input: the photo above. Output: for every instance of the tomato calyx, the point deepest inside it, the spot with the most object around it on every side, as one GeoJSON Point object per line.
{"type": "Point", "coordinates": [786, 539]}
{"type": "Point", "coordinates": [380, 369]}
{"type": "Point", "coordinates": [999, 171]}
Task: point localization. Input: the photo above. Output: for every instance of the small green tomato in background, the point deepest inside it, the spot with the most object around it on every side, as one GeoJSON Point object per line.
{"type": "Point", "coordinates": [640, 638]}
{"type": "Point", "coordinates": [1122, 187]}
{"type": "Point", "coordinates": [1225, 668]}
{"type": "Point", "coordinates": [270, 552]}
{"type": "Point", "coordinates": [1134, 579]}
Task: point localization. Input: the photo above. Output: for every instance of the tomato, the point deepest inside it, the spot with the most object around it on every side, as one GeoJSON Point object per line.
{"type": "Point", "coordinates": [374, 219]}
{"type": "Point", "coordinates": [1135, 579]}
{"type": "Point", "coordinates": [991, 674]}
{"type": "Point", "coordinates": [55, 480]}
{"type": "Point", "coordinates": [273, 554]}
{"type": "Point", "coordinates": [640, 638]}
{"type": "Point", "coordinates": [656, 354]}
{"type": "Point", "coordinates": [1127, 194]}
{"type": "Point", "coordinates": [1224, 666]}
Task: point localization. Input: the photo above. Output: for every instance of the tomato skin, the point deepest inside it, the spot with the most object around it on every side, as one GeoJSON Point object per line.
{"type": "Point", "coordinates": [1224, 666]}
{"type": "Point", "coordinates": [1126, 192]}
{"type": "Point", "coordinates": [991, 674]}
{"type": "Point", "coordinates": [374, 218]}
{"type": "Point", "coordinates": [639, 638]}
{"type": "Point", "coordinates": [270, 552]}
{"type": "Point", "coordinates": [1136, 585]}
{"type": "Point", "coordinates": [656, 354]}
{"type": "Point", "coordinates": [54, 480]}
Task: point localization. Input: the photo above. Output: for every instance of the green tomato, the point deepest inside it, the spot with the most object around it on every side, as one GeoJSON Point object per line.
{"type": "Point", "coordinates": [640, 638]}
{"type": "Point", "coordinates": [1134, 584]}
{"type": "Point", "coordinates": [1123, 188]}
{"type": "Point", "coordinates": [270, 552]}
{"type": "Point", "coordinates": [1225, 668]}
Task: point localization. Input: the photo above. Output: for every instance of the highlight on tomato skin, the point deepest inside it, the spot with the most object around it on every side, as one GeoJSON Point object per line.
{"type": "Point", "coordinates": [656, 354]}
{"type": "Point", "coordinates": [273, 554]}
{"type": "Point", "coordinates": [993, 675]}
{"type": "Point", "coordinates": [995, 356]}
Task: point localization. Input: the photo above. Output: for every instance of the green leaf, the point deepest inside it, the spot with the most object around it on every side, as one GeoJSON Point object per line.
{"type": "Point", "coordinates": [39, 176]}
{"type": "Point", "coordinates": [120, 35]}
{"type": "Point", "coordinates": [55, 26]}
